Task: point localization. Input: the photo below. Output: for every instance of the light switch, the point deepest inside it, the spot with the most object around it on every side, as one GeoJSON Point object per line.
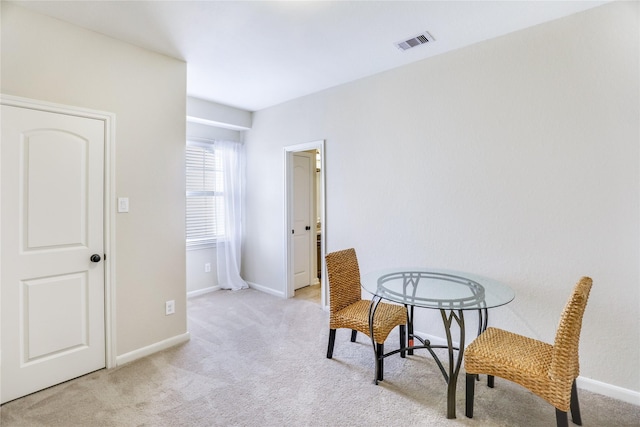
{"type": "Point", "coordinates": [123, 204]}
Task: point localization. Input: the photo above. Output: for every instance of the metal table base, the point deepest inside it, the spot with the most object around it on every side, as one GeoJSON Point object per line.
{"type": "Point", "coordinates": [455, 354]}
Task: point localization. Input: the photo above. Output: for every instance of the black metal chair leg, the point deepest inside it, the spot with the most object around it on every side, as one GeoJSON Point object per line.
{"type": "Point", "coordinates": [575, 405]}
{"type": "Point", "coordinates": [490, 381]}
{"type": "Point", "coordinates": [403, 340]}
{"type": "Point", "coordinates": [561, 418]}
{"type": "Point", "coordinates": [380, 361]}
{"type": "Point", "coordinates": [410, 328]}
{"type": "Point", "coordinates": [469, 393]}
{"type": "Point", "coordinates": [354, 333]}
{"type": "Point", "coordinates": [332, 340]}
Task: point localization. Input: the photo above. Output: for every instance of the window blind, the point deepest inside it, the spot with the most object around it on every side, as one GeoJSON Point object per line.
{"type": "Point", "coordinates": [205, 209]}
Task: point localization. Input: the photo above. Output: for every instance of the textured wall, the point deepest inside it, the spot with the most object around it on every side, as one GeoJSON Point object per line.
{"type": "Point", "coordinates": [516, 158]}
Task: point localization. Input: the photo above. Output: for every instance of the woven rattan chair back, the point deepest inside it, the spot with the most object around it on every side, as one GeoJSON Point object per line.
{"type": "Point", "coordinates": [565, 361]}
{"type": "Point", "coordinates": [344, 279]}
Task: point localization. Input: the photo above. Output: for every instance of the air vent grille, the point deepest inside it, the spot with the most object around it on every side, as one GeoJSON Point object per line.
{"type": "Point", "coordinates": [418, 40]}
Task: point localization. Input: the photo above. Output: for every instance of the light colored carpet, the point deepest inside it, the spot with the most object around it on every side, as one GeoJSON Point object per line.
{"type": "Point", "coordinates": [258, 360]}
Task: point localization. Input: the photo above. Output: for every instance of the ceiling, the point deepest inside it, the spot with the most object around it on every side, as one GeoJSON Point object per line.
{"type": "Point", "coordinates": [255, 54]}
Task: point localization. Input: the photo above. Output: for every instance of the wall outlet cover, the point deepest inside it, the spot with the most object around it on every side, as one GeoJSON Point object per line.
{"type": "Point", "coordinates": [169, 307]}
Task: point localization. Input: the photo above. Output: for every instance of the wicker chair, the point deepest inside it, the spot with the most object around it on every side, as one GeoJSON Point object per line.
{"type": "Point", "coordinates": [348, 309]}
{"type": "Point", "coordinates": [549, 371]}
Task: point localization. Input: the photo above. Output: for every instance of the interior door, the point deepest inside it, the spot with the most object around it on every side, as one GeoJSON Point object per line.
{"type": "Point", "coordinates": [51, 224]}
{"type": "Point", "coordinates": [304, 230]}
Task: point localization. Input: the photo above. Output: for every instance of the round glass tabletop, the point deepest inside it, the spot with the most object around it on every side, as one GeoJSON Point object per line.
{"type": "Point", "coordinates": [437, 288]}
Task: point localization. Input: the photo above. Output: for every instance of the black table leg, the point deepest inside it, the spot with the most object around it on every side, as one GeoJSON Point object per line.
{"type": "Point", "coordinates": [454, 363]}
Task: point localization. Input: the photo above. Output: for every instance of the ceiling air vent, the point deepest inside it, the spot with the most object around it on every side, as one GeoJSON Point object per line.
{"type": "Point", "coordinates": [415, 41]}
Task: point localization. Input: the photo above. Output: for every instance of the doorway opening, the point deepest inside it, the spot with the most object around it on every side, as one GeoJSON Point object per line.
{"type": "Point", "coordinates": [304, 241]}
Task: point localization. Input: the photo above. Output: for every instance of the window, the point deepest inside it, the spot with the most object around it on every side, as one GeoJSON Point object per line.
{"type": "Point", "coordinates": [205, 203]}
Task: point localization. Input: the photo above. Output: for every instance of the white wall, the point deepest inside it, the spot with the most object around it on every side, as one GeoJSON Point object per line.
{"type": "Point", "coordinates": [516, 158]}
{"type": "Point", "coordinates": [207, 132]}
{"type": "Point", "coordinates": [218, 115]}
{"type": "Point", "coordinates": [198, 279]}
{"type": "Point", "coordinates": [46, 59]}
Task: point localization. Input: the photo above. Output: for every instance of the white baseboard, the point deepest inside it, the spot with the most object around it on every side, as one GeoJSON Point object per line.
{"type": "Point", "coordinates": [153, 348]}
{"type": "Point", "coordinates": [582, 383]}
{"type": "Point", "coordinates": [266, 290]}
{"type": "Point", "coordinates": [202, 291]}
{"type": "Point", "coordinates": [609, 390]}
{"type": "Point", "coordinates": [255, 286]}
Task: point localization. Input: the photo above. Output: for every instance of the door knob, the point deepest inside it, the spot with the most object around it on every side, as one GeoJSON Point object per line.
{"type": "Point", "coordinates": [95, 258]}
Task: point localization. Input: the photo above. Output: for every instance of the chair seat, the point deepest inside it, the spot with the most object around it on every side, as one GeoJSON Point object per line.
{"type": "Point", "coordinates": [519, 359]}
{"type": "Point", "coordinates": [356, 316]}
{"type": "Point", "coordinates": [507, 355]}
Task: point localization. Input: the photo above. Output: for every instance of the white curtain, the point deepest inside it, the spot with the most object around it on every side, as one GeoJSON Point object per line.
{"type": "Point", "coordinates": [229, 247]}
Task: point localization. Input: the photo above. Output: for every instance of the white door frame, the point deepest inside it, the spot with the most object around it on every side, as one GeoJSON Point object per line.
{"type": "Point", "coordinates": [288, 191]}
{"type": "Point", "coordinates": [109, 120]}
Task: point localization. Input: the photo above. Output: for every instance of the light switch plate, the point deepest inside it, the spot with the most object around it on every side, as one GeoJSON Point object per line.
{"type": "Point", "coordinates": [123, 204]}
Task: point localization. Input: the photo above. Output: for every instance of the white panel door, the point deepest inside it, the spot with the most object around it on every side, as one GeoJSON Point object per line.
{"type": "Point", "coordinates": [303, 228]}
{"type": "Point", "coordinates": [51, 223]}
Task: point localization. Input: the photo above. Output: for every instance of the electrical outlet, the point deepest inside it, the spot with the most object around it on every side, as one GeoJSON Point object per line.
{"type": "Point", "coordinates": [207, 267]}
{"type": "Point", "coordinates": [169, 307]}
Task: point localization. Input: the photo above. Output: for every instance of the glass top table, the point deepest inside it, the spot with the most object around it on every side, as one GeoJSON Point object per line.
{"type": "Point", "coordinates": [451, 292]}
{"type": "Point", "coordinates": [437, 288]}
